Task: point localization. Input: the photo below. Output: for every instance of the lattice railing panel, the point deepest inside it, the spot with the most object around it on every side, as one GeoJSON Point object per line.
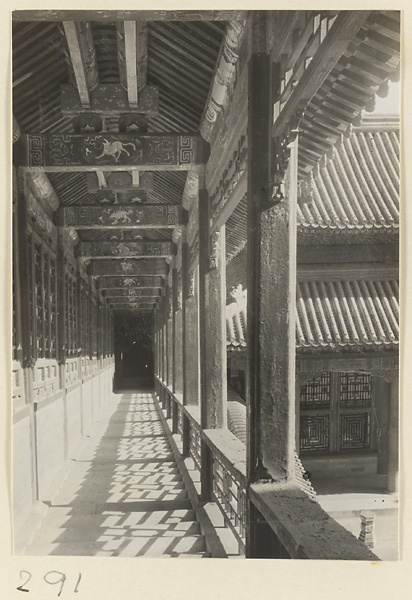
{"type": "Point", "coordinates": [180, 417]}
{"type": "Point", "coordinates": [230, 495]}
{"type": "Point", "coordinates": [195, 444]}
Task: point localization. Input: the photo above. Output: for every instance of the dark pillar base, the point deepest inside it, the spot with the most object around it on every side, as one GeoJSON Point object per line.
{"type": "Point", "coordinates": [186, 436]}
{"type": "Point", "coordinates": [206, 473]}
{"type": "Point", "coordinates": [261, 540]}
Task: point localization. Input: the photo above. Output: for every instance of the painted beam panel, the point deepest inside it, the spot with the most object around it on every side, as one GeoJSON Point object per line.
{"type": "Point", "coordinates": [134, 282]}
{"type": "Point", "coordinates": [113, 152]}
{"type": "Point", "coordinates": [121, 15]}
{"type": "Point", "coordinates": [126, 217]}
{"type": "Point", "coordinates": [128, 268]}
{"type": "Point", "coordinates": [126, 249]}
{"type": "Point", "coordinates": [132, 292]}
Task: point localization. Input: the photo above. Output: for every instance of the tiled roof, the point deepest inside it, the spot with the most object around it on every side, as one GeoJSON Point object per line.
{"type": "Point", "coordinates": [333, 314]}
{"type": "Point", "coordinates": [347, 313]}
{"type": "Point", "coordinates": [357, 187]}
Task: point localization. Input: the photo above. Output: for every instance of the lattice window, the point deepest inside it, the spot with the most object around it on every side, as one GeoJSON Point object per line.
{"type": "Point", "coordinates": [314, 433]}
{"type": "Point", "coordinates": [316, 393]}
{"type": "Point", "coordinates": [38, 298]}
{"type": "Point", "coordinates": [355, 390]}
{"type": "Point", "coordinates": [53, 307]}
{"type": "Point", "coordinates": [354, 430]}
{"type": "Point", "coordinates": [336, 413]}
{"type": "Point", "coordinates": [42, 296]}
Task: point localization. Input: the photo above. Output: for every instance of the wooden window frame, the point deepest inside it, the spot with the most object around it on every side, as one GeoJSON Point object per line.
{"type": "Point", "coordinates": [335, 412]}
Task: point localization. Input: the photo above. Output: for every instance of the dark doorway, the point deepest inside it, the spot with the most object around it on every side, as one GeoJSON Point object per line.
{"type": "Point", "coordinates": [133, 344]}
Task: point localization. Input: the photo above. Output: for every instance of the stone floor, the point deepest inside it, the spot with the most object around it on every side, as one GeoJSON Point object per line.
{"type": "Point", "coordinates": [124, 495]}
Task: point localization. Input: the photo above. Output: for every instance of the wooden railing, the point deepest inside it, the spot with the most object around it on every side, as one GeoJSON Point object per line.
{"type": "Point", "coordinates": [291, 524]}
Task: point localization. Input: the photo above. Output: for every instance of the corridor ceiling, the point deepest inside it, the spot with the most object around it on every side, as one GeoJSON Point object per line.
{"type": "Point", "coordinates": [181, 59]}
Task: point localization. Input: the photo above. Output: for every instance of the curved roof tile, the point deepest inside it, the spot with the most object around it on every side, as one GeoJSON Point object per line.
{"type": "Point", "coordinates": [357, 187]}
{"type": "Point", "coordinates": [333, 314]}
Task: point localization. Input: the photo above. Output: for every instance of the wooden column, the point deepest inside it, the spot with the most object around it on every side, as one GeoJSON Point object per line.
{"type": "Point", "coordinates": [175, 330]}
{"type": "Point", "coordinates": [192, 342]}
{"type": "Point", "coordinates": [381, 390]}
{"type": "Point", "coordinates": [62, 302]}
{"type": "Point", "coordinates": [170, 330]}
{"type": "Point", "coordinates": [162, 337]}
{"type": "Point", "coordinates": [271, 244]}
{"type": "Point", "coordinates": [168, 333]}
{"type": "Point", "coordinates": [212, 332]}
{"type": "Point", "coordinates": [185, 291]}
{"type": "Point", "coordinates": [27, 330]}
{"type": "Point", "coordinates": [156, 344]}
{"type": "Point", "coordinates": [393, 460]}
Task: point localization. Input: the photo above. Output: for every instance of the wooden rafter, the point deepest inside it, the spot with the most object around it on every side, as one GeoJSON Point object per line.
{"type": "Point", "coordinates": [83, 58]}
{"type": "Point", "coordinates": [130, 43]}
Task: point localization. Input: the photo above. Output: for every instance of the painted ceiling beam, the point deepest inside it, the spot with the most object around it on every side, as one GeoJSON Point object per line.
{"type": "Point", "coordinates": [149, 282]}
{"type": "Point", "coordinates": [128, 268]}
{"type": "Point", "coordinates": [124, 217]}
{"type": "Point", "coordinates": [113, 152]}
{"type": "Point", "coordinates": [122, 15]}
{"type": "Point", "coordinates": [133, 305]}
{"type": "Point", "coordinates": [139, 249]}
{"type": "Point", "coordinates": [131, 292]}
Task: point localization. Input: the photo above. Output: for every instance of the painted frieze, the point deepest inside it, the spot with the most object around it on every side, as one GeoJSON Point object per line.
{"type": "Point", "coordinates": [128, 268]}
{"type": "Point", "coordinates": [142, 249]}
{"type": "Point", "coordinates": [86, 152]}
{"type": "Point", "coordinates": [93, 217]}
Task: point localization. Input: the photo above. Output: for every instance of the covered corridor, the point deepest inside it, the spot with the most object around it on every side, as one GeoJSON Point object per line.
{"type": "Point", "coordinates": [205, 282]}
{"type": "Point", "coordinates": [124, 494]}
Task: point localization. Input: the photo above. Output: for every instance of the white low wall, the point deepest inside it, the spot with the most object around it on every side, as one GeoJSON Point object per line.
{"type": "Point", "coordinates": [45, 435]}
{"type": "Point", "coordinates": [74, 420]}
{"type": "Point", "coordinates": [23, 463]}
{"type": "Point", "coordinates": [50, 444]}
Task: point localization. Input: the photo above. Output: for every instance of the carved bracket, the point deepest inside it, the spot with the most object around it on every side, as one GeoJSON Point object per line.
{"type": "Point", "coordinates": [281, 152]}
{"type": "Point", "coordinates": [214, 250]}
{"type": "Point", "coordinates": [191, 286]}
{"type": "Point", "coordinates": [224, 76]}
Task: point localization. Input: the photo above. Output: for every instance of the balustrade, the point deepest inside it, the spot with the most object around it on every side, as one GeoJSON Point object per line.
{"type": "Point", "coordinates": [293, 524]}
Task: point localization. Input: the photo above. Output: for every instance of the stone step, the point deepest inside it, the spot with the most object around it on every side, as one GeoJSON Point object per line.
{"type": "Point", "coordinates": [141, 546]}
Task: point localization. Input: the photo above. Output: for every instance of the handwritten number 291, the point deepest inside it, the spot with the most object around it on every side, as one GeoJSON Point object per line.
{"type": "Point", "coordinates": [52, 578]}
